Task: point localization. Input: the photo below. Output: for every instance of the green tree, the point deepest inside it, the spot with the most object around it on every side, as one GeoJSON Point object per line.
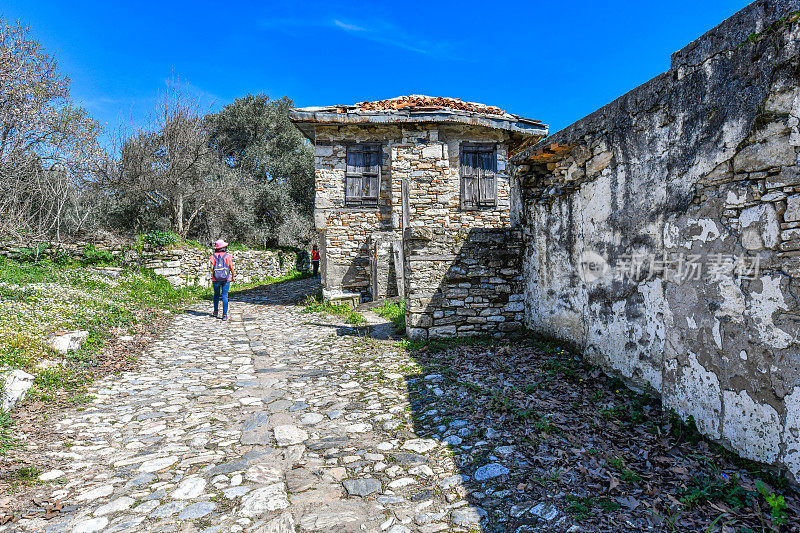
{"type": "Point", "coordinates": [275, 165]}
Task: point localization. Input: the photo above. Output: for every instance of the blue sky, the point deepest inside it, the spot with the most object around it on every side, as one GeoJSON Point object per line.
{"type": "Point", "coordinates": [553, 61]}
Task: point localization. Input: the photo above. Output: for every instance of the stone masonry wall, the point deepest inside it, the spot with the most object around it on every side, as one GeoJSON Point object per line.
{"type": "Point", "coordinates": [345, 231]}
{"type": "Point", "coordinates": [181, 265]}
{"type": "Point", "coordinates": [462, 271]}
{"type": "Point", "coordinates": [189, 266]}
{"type": "Point", "coordinates": [662, 234]}
{"type": "Point", "coordinates": [463, 282]}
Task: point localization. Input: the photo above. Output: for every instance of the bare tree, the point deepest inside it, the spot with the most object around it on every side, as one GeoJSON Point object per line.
{"type": "Point", "coordinates": [170, 166]}
{"type": "Point", "coordinates": [48, 146]}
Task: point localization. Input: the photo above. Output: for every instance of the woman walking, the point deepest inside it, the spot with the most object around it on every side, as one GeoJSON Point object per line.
{"type": "Point", "coordinates": [221, 264]}
{"type": "Point", "coordinates": [315, 260]}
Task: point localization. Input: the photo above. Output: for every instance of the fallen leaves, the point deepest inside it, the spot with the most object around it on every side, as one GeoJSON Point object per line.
{"type": "Point", "coordinates": [616, 456]}
{"type": "Point", "coordinates": [47, 509]}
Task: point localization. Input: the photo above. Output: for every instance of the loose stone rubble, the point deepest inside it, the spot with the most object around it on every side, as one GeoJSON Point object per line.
{"type": "Point", "coordinates": [14, 385]}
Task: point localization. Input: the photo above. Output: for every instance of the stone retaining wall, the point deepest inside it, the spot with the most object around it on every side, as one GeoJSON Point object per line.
{"type": "Point", "coordinates": [463, 283]}
{"type": "Point", "coordinates": [180, 265]}
{"type": "Point", "coordinates": [662, 234]}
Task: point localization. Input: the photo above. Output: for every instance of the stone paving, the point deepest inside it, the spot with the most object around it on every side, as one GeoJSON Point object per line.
{"type": "Point", "coordinates": [273, 421]}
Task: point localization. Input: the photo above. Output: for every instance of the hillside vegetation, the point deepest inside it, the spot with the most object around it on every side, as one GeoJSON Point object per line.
{"type": "Point", "coordinates": [243, 173]}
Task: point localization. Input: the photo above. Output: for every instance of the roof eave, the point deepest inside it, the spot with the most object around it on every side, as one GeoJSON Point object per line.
{"type": "Point", "coordinates": [305, 119]}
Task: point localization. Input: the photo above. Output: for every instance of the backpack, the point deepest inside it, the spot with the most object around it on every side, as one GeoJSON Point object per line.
{"type": "Point", "coordinates": [221, 269]}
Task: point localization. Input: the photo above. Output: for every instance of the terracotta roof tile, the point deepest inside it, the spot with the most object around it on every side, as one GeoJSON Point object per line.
{"type": "Point", "coordinates": [421, 102]}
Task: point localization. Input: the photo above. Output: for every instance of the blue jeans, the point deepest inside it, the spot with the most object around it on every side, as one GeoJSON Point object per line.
{"type": "Point", "coordinates": [221, 287]}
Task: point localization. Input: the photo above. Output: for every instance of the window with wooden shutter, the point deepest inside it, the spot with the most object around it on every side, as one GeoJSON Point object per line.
{"type": "Point", "coordinates": [478, 176]}
{"type": "Point", "coordinates": [363, 178]}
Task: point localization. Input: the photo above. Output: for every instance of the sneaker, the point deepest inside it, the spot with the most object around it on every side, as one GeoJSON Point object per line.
{"type": "Point", "coordinates": [214, 315]}
{"type": "Point", "coordinates": [224, 317]}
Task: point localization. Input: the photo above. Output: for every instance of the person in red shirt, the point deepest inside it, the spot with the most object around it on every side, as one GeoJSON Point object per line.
{"type": "Point", "coordinates": [315, 261]}
{"type": "Point", "coordinates": [221, 265]}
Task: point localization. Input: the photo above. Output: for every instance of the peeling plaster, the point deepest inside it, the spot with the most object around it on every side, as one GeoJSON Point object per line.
{"type": "Point", "coordinates": [760, 227]}
{"type": "Point", "coordinates": [697, 394]}
{"type": "Point", "coordinates": [717, 334]}
{"type": "Point", "coordinates": [761, 308]}
{"type": "Point", "coordinates": [791, 435]}
{"type": "Point", "coordinates": [671, 235]}
{"type": "Point", "coordinates": [733, 302]}
{"type": "Point", "coordinates": [752, 428]}
{"type": "Point", "coordinates": [693, 180]}
{"type": "Point", "coordinates": [794, 120]}
{"type": "Point", "coordinates": [708, 231]}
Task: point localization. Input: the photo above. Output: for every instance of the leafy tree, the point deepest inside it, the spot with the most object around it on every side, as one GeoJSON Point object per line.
{"type": "Point", "coordinates": [257, 141]}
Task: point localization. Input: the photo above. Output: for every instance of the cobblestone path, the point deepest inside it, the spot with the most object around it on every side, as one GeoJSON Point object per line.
{"type": "Point", "coordinates": [273, 421]}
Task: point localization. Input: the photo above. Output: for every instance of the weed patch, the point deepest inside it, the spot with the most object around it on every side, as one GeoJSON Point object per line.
{"type": "Point", "coordinates": [395, 312]}
{"type": "Point", "coordinates": [702, 489]}
{"type": "Point", "coordinates": [582, 507]}
{"type": "Point", "coordinates": [317, 305]}
{"type": "Point", "coordinates": [7, 441]}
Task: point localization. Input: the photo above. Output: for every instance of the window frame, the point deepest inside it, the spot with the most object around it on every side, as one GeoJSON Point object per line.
{"type": "Point", "coordinates": [480, 176]}
{"type": "Point", "coordinates": [361, 172]}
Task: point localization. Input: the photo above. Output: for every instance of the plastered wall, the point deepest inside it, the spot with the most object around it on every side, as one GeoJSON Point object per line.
{"type": "Point", "coordinates": [662, 234]}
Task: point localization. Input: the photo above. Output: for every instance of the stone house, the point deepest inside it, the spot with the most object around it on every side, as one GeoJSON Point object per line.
{"type": "Point", "coordinates": [414, 198]}
{"type": "Point", "coordinates": [659, 236]}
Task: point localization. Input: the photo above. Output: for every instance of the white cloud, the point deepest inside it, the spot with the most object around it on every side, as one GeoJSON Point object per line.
{"type": "Point", "coordinates": [347, 27]}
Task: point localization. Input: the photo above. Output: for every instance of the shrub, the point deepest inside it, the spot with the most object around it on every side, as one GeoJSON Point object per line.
{"type": "Point", "coordinates": [93, 256]}
{"type": "Point", "coordinates": [160, 239]}
{"type": "Point", "coordinates": [33, 254]}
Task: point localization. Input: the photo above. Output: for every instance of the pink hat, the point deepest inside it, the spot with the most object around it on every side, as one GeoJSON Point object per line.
{"type": "Point", "coordinates": [220, 244]}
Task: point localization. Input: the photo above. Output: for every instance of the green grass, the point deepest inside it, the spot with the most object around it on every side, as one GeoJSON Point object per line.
{"type": "Point", "coordinates": [706, 488]}
{"type": "Point", "coordinates": [7, 441]}
{"type": "Point", "coordinates": [582, 507]}
{"type": "Point", "coordinates": [27, 474]}
{"type": "Point", "coordinates": [41, 299]}
{"type": "Point", "coordinates": [317, 305]}
{"type": "Point", "coordinates": [395, 312]}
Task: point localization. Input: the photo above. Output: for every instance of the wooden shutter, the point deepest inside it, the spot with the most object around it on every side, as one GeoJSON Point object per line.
{"type": "Point", "coordinates": [362, 181]}
{"type": "Point", "coordinates": [487, 181]}
{"type": "Point", "coordinates": [478, 176]}
{"type": "Point", "coordinates": [355, 163]}
{"type": "Point", "coordinates": [469, 178]}
{"type": "Point", "coordinates": [371, 173]}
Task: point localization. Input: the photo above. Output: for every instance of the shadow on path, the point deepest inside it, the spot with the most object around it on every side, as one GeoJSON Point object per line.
{"type": "Point", "coordinates": [544, 442]}
{"type": "Point", "coordinates": [279, 293]}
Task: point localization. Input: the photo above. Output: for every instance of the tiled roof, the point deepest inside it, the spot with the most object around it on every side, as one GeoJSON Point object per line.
{"type": "Point", "coordinates": [412, 109]}
{"type": "Point", "coordinates": [421, 102]}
